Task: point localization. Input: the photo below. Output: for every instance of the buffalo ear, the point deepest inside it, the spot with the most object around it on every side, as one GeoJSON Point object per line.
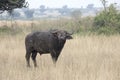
{"type": "Point", "coordinates": [55, 33]}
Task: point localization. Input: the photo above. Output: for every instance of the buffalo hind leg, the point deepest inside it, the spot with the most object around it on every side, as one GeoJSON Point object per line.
{"type": "Point", "coordinates": [27, 56]}
{"type": "Point", "coordinates": [34, 54]}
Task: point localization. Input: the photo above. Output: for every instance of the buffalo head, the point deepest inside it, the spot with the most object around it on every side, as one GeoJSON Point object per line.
{"type": "Point", "coordinates": [62, 34]}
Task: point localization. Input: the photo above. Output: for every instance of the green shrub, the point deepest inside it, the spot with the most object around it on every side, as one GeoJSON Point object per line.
{"type": "Point", "coordinates": [9, 30]}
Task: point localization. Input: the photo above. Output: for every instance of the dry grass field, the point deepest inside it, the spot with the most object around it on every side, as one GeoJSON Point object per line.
{"type": "Point", "coordinates": [83, 58]}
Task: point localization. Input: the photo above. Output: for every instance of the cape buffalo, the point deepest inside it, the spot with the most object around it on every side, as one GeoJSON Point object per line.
{"type": "Point", "coordinates": [45, 42]}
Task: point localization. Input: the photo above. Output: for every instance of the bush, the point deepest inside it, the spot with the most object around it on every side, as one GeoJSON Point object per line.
{"type": "Point", "coordinates": [108, 18]}
{"type": "Point", "coordinates": [106, 31]}
{"type": "Point", "coordinates": [9, 30]}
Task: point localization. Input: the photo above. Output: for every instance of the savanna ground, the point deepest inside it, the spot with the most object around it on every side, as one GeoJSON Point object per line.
{"type": "Point", "coordinates": [82, 58]}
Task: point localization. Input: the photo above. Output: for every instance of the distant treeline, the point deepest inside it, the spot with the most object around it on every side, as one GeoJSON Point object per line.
{"type": "Point", "coordinates": [106, 22]}
{"type": "Point", "coordinates": [45, 12]}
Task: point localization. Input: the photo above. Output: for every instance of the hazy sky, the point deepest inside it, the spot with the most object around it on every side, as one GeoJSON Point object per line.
{"type": "Point", "coordinates": [70, 3]}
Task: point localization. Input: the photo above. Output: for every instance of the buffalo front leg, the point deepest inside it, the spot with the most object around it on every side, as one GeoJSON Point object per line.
{"type": "Point", "coordinates": [27, 56]}
{"type": "Point", "coordinates": [54, 57]}
{"type": "Point", "coordinates": [34, 54]}
{"type": "Point", "coordinates": [57, 55]}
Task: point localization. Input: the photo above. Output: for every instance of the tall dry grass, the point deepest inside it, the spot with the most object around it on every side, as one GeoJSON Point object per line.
{"type": "Point", "coordinates": [83, 58]}
{"type": "Point", "coordinates": [34, 25]}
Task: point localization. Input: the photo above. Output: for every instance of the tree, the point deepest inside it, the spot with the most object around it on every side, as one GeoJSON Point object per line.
{"type": "Point", "coordinates": [109, 18]}
{"type": "Point", "coordinates": [9, 5]}
{"type": "Point", "coordinates": [90, 6]}
{"type": "Point", "coordinates": [29, 13]}
{"type": "Point", "coordinates": [104, 3]}
{"type": "Point", "coordinates": [64, 10]}
{"type": "Point", "coordinates": [42, 8]}
{"type": "Point", "coordinates": [16, 14]}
